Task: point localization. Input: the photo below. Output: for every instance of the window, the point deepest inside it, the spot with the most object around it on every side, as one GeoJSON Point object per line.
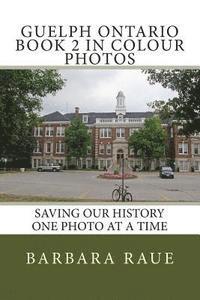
{"type": "Point", "coordinates": [102, 164]}
{"type": "Point", "coordinates": [120, 118]}
{"type": "Point", "coordinates": [60, 131]}
{"type": "Point", "coordinates": [60, 147]}
{"type": "Point", "coordinates": [120, 132]}
{"type": "Point", "coordinates": [38, 131]}
{"type": "Point", "coordinates": [48, 147]}
{"type": "Point", "coordinates": [85, 118]}
{"type": "Point", "coordinates": [183, 165]}
{"type": "Point", "coordinates": [88, 163]}
{"type": "Point", "coordinates": [105, 132]}
{"type": "Point", "coordinates": [101, 149]}
{"type": "Point", "coordinates": [197, 165]}
{"type": "Point", "coordinates": [108, 149]}
{"type": "Point", "coordinates": [196, 148]}
{"type": "Point", "coordinates": [183, 148]}
{"type": "Point", "coordinates": [108, 163]}
{"type": "Point", "coordinates": [49, 131]}
{"type": "Point", "coordinates": [34, 163]}
{"type": "Point", "coordinates": [38, 148]}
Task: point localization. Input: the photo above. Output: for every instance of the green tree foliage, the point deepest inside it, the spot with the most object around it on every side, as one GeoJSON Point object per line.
{"type": "Point", "coordinates": [77, 139]}
{"type": "Point", "coordinates": [149, 142]}
{"type": "Point", "coordinates": [21, 93]}
{"type": "Point", "coordinates": [184, 107]}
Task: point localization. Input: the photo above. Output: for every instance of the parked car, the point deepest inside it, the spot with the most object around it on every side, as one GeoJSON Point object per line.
{"type": "Point", "coordinates": [51, 168]}
{"type": "Point", "coordinates": [166, 172]}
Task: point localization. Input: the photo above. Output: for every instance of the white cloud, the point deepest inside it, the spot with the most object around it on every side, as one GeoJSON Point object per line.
{"type": "Point", "coordinates": [96, 90]}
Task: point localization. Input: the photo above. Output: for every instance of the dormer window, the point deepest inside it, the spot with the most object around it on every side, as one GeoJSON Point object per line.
{"type": "Point", "coordinates": [120, 118]}
{"type": "Point", "coordinates": [85, 119]}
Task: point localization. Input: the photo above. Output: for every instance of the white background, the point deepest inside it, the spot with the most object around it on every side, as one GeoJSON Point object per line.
{"type": "Point", "coordinates": [14, 14]}
{"type": "Point", "coordinates": [19, 219]}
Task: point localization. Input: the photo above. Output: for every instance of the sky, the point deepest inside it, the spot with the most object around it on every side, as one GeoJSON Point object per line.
{"type": "Point", "coordinates": [95, 90]}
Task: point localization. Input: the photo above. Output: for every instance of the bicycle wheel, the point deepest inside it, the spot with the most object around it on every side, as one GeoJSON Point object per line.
{"type": "Point", "coordinates": [115, 195]}
{"type": "Point", "coordinates": [128, 197]}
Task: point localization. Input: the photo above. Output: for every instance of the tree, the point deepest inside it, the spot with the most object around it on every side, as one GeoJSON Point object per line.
{"type": "Point", "coordinates": [149, 142]}
{"type": "Point", "coordinates": [21, 93]}
{"type": "Point", "coordinates": [184, 107]}
{"type": "Point", "coordinates": [77, 140]}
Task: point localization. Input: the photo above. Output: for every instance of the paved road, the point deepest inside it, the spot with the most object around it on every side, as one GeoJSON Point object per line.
{"type": "Point", "coordinates": [86, 185]}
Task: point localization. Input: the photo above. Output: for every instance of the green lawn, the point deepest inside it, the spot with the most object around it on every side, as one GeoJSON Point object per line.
{"type": "Point", "coordinates": [15, 198]}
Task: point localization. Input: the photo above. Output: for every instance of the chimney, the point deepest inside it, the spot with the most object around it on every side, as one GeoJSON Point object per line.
{"type": "Point", "coordinates": [76, 111]}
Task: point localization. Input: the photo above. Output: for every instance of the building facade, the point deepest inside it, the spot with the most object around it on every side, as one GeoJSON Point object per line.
{"type": "Point", "coordinates": [185, 151]}
{"type": "Point", "coordinates": [109, 135]}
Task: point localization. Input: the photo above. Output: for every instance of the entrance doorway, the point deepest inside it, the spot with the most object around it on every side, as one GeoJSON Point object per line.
{"type": "Point", "coordinates": [120, 156]}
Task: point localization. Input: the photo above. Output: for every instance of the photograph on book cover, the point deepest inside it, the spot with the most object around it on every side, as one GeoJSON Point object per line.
{"type": "Point", "coordinates": [100, 135]}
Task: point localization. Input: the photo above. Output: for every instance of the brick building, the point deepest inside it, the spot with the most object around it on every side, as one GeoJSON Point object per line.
{"type": "Point", "coordinates": [109, 134]}
{"type": "Point", "coordinates": [185, 151]}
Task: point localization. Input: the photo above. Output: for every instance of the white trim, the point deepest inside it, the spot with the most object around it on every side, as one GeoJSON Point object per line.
{"type": "Point", "coordinates": [85, 119]}
{"type": "Point", "coordinates": [121, 131]}
{"type": "Point", "coordinates": [51, 147]}
{"type": "Point", "coordinates": [49, 129]}
{"type": "Point", "coordinates": [60, 147]}
{"type": "Point", "coordinates": [59, 129]}
{"type": "Point", "coordinates": [55, 122]}
{"type": "Point", "coordinates": [104, 133]}
{"type": "Point", "coordinates": [183, 147]}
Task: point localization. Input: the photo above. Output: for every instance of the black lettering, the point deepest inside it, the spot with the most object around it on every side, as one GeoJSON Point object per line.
{"type": "Point", "coordinates": [20, 45]}
{"type": "Point", "coordinates": [25, 32]}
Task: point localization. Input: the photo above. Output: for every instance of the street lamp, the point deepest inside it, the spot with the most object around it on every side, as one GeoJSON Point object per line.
{"type": "Point", "coordinates": [122, 179]}
{"type": "Point", "coordinates": [5, 161]}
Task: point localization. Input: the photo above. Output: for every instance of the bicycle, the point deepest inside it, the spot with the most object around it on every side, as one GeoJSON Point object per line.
{"type": "Point", "coordinates": [119, 192]}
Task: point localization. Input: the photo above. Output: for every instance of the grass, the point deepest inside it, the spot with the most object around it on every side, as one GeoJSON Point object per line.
{"type": "Point", "coordinates": [4, 198]}
{"type": "Point", "coordinates": [8, 172]}
{"type": "Point", "coordinates": [28, 198]}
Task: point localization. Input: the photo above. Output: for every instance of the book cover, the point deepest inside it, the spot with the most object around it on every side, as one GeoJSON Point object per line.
{"type": "Point", "coordinates": [99, 150]}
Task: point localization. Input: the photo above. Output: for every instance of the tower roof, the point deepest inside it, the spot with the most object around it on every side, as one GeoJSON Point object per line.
{"type": "Point", "coordinates": [120, 94]}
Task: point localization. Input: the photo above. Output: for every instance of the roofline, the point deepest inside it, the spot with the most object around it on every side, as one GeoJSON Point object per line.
{"type": "Point", "coordinates": [108, 112]}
